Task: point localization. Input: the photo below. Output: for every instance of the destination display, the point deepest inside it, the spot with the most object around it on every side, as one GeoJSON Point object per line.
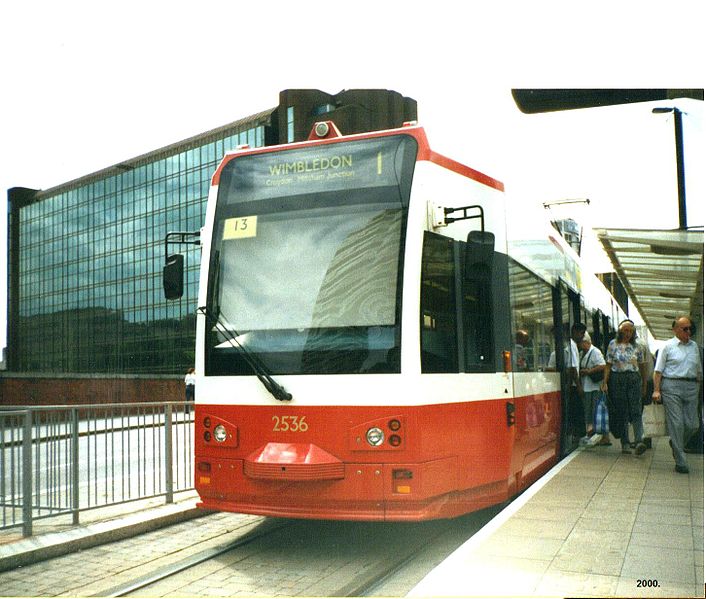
{"type": "Point", "coordinates": [322, 168]}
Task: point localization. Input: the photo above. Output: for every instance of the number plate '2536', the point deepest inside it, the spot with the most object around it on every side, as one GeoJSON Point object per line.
{"type": "Point", "coordinates": [292, 424]}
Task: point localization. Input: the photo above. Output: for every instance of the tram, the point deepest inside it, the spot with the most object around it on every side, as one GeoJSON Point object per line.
{"type": "Point", "coordinates": [373, 333]}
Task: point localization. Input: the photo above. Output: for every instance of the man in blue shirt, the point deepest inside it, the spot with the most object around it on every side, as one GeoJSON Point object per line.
{"type": "Point", "coordinates": [677, 375]}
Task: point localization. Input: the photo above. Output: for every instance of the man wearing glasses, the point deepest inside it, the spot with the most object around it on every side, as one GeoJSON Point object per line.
{"type": "Point", "coordinates": [677, 375]}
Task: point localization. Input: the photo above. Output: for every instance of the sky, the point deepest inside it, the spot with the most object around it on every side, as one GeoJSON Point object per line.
{"type": "Point", "coordinates": [86, 85]}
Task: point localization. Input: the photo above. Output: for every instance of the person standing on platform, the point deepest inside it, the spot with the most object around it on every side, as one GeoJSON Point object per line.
{"type": "Point", "coordinates": [649, 376]}
{"type": "Point", "coordinates": [592, 365]}
{"type": "Point", "coordinates": [576, 421]}
{"type": "Point", "coordinates": [625, 383]}
{"type": "Point", "coordinates": [578, 330]}
{"type": "Point", "coordinates": [677, 376]}
{"type": "Point", "coordinates": [190, 385]}
{"type": "Point", "coordinates": [583, 424]}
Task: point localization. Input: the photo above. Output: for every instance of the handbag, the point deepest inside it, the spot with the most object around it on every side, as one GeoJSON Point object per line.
{"type": "Point", "coordinates": [596, 377]}
{"type": "Point", "coordinates": [654, 423]}
{"type": "Point", "coordinates": [600, 416]}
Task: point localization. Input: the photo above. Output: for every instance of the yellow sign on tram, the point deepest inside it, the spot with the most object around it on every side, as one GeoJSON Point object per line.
{"type": "Point", "coordinates": [240, 227]}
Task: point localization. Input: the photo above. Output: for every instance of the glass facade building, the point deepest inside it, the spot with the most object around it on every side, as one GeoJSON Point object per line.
{"type": "Point", "coordinates": [90, 259]}
{"type": "Point", "coordinates": [85, 259]}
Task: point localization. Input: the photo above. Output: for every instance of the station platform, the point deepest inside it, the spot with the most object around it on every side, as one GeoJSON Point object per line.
{"type": "Point", "coordinates": [57, 536]}
{"type": "Point", "coordinates": [599, 524]}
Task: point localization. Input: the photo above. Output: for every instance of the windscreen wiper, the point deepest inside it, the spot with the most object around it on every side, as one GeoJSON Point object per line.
{"type": "Point", "coordinates": [260, 370]}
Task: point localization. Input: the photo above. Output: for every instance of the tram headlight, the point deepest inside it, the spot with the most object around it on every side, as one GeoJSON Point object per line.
{"type": "Point", "coordinates": [375, 436]}
{"type": "Point", "coordinates": [219, 433]}
{"type": "Point", "coordinates": [322, 129]}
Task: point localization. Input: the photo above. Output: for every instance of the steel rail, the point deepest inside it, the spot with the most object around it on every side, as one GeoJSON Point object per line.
{"type": "Point", "coordinates": [160, 574]}
{"type": "Point", "coordinates": [383, 571]}
{"type": "Point", "coordinates": [372, 578]}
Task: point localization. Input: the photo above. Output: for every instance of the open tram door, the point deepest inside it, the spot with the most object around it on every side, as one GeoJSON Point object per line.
{"type": "Point", "coordinates": [566, 309]}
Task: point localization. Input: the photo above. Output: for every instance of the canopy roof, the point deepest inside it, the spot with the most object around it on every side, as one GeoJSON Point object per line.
{"type": "Point", "coordinates": [662, 271]}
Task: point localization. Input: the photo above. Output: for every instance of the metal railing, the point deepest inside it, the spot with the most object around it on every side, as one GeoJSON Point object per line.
{"type": "Point", "coordinates": [58, 460]}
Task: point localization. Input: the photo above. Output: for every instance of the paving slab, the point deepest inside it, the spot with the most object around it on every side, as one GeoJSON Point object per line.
{"type": "Point", "coordinates": [100, 527]}
{"type": "Point", "coordinates": [599, 524]}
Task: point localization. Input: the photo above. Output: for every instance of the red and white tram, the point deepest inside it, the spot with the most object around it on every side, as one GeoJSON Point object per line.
{"type": "Point", "coordinates": [373, 333]}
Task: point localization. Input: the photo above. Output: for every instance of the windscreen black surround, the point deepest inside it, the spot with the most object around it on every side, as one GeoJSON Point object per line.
{"type": "Point", "coordinates": [306, 258]}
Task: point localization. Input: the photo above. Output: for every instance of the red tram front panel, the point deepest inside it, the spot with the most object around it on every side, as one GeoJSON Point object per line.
{"type": "Point", "coordinates": [433, 461]}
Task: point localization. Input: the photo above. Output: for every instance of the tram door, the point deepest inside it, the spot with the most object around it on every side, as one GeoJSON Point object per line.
{"type": "Point", "coordinates": [566, 305]}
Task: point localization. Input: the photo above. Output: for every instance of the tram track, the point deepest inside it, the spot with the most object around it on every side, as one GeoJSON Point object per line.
{"type": "Point", "coordinates": [319, 558]}
{"type": "Point", "coordinates": [366, 586]}
{"type": "Point", "coordinates": [160, 574]}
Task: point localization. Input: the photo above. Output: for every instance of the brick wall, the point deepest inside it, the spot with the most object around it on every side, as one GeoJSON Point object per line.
{"type": "Point", "coordinates": [45, 390]}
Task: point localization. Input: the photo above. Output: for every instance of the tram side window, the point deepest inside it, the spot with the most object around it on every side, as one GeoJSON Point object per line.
{"type": "Point", "coordinates": [532, 319]}
{"type": "Point", "coordinates": [477, 311]}
{"type": "Point", "coordinates": [439, 342]}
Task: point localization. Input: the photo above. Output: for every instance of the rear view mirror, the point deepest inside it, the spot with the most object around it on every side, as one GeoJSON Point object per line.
{"type": "Point", "coordinates": [480, 247]}
{"type": "Point", "coordinates": [173, 277]}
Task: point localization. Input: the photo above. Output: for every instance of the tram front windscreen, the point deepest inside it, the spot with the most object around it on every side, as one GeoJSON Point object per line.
{"type": "Point", "coordinates": [305, 270]}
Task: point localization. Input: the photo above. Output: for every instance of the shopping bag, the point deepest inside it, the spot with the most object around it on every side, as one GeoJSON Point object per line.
{"type": "Point", "coordinates": [653, 421]}
{"type": "Point", "coordinates": [600, 416]}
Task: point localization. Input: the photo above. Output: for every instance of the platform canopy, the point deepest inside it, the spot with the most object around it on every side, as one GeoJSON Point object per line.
{"type": "Point", "coordinates": [532, 101]}
{"type": "Point", "coordinates": [662, 271]}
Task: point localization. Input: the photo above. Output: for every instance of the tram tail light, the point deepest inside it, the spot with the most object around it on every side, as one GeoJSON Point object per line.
{"type": "Point", "coordinates": [401, 478]}
{"type": "Point", "coordinates": [507, 361]}
{"type": "Point", "coordinates": [204, 471]}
